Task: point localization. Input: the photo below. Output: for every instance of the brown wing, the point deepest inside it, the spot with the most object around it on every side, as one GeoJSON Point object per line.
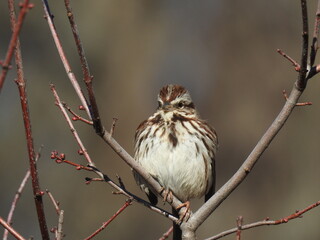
{"type": "Point", "coordinates": [213, 186]}
{"type": "Point", "coordinates": [213, 165]}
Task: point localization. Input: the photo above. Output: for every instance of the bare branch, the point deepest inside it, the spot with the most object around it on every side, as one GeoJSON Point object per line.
{"type": "Point", "coordinates": [294, 63]}
{"type": "Point", "coordinates": [37, 193]}
{"type": "Point", "coordinates": [10, 229]}
{"type": "Point", "coordinates": [63, 57]}
{"type": "Point", "coordinates": [59, 234]}
{"type": "Point", "coordinates": [60, 212]}
{"type": "Point", "coordinates": [16, 28]}
{"type": "Point", "coordinates": [54, 202]}
{"type": "Point", "coordinates": [95, 114]}
{"type": "Point", "coordinates": [17, 197]}
{"type": "Point", "coordinates": [285, 95]}
{"type": "Point", "coordinates": [113, 126]}
{"type": "Point", "coordinates": [86, 72]}
{"type": "Point", "coordinates": [103, 176]}
{"type": "Point", "coordinates": [314, 46]}
{"type": "Point", "coordinates": [297, 214]}
{"type": "Point", "coordinates": [76, 116]}
{"type": "Point", "coordinates": [302, 81]}
{"type": "Point", "coordinates": [202, 214]}
{"type": "Point", "coordinates": [73, 130]}
{"type": "Point", "coordinates": [167, 234]}
{"type": "Point", "coordinates": [239, 227]}
{"type": "Point", "coordinates": [105, 224]}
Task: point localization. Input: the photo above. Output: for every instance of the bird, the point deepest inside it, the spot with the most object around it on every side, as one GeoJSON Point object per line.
{"type": "Point", "coordinates": [177, 148]}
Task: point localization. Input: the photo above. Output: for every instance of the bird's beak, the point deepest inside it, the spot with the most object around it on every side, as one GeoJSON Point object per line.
{"type": "Point", "coordinates": [166, 106]}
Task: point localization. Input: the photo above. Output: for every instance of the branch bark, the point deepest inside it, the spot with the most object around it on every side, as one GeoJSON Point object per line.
{"type": "Point", "coordinates": [16, 28]}
{"type": "Point", "coordinates": [204, 212]}
{"type": "Point", "coordinates": [266, 222]}
{"type": "Point", "coordinates": [37, 193]}
{"type": "Point", "coordinates": [10, 229]}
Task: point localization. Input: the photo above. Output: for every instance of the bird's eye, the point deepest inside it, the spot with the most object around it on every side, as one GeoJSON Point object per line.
{"type": "Point", "coordinates": [159, 104]}
{"type": "Point", "coordinates": [180, 105]}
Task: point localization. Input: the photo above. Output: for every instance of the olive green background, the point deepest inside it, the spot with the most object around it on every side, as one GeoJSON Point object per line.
{"type": "Point", "coordinates": [224, 52]}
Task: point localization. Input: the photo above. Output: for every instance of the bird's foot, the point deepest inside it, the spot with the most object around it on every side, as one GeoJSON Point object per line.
{"type": "Point", "coordinates": [168, 196]}
{"type": "Point", "coordinates": [185, 216]}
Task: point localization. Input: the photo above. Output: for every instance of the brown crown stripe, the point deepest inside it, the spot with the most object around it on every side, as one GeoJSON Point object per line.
{"type": "Point", "coordinates": [171, 92]}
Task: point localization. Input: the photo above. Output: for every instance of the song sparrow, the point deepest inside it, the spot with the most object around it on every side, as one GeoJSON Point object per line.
{"type": "Point", "coordinates": [177, 148]}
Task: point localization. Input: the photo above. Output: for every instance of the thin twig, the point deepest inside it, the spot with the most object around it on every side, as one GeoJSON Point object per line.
{"type": "Point", "coordinates": [11, 229]}
{"type": "Point", "coordinates": [60, 158]}
{"type": "Point", "coordinates": [91, 167]}
{"type": "Point", "coordinates": [265, 222]}
{"type": "Point", "coordinates": [54, 202]}
{"type": "Point", "coordinates": [73, 130]}
{"type": "Point", "coordinates": [285, 95]}
{"type": "Point", "coordinates": [63, 57]}
{"type": "Point", "coordinates": [114, 120]}
{"type": "Point", "coordinates": [37, 193]}
{"type": "Point", "coordinates": [16, 28]}
{"type": "Point", "coordinates": [121, 182]}
{"type": "Point", "coordinates": [76, 116]}
{"type": "Point", "coordinates": [60, 213]}
{"type": "Point", "coordinates": [302, 80]}
{"type": "Point", "coordinates": [239, 227]}
{"type": "Point", "coordinates": [134, 197]}
{"type": "Point", "coordinates": [205, 210]}
{"type": "Point", "coordinates": [105, 224]}
{"type": "Point", "coordinates": [17, 197]}
{"type": "Point", "coordinates": [167, 234]}
{"type": "Point", "coordinates": [86, 72]}
{"type": "Point", "coordinates": [100, 130]}
{"type": "Point", "coordinates": [294, 62]}
{"type": "Point", "coordinates": [59, 234]}
{"type": "Point", "coordinates": [314, 45]}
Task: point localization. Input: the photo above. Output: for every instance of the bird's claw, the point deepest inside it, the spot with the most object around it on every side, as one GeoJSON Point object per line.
{"type": "Point", "coordinates": [168, 196]}
{"type": "Point", "coordinates": [186, 215]}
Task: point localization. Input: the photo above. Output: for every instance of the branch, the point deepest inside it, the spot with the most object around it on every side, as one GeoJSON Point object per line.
{"type": "Point", "coordinates": [10, 229]}
{"type": "Point", "coordinates": [16, 28]}
{"type": "Point", "coordinates": [37, 193]}
{"type": "Point", "coordinates": [17, 197]}
{"type": "Point", "coordinates": [72, 77]}
{"type": "Point", "coordinates": [86, 72]}
{"type": "Point", "coordinates": [314, 46]}
{"type": "Point", "coordinates": [167, 234]}
{"type": "Point", "coordinates": [204, 212]}
{"type": "Point", "coordinates": [57, 230]}
{"type": "Point", "coordinates": [107, 137]}
{"type": "Point", "coordinates": [59, 233]}
{"type": "Point", "coordinates": [76, 117]}
{"type": "Point", "coordinates": [73, 130]}
{"type": "Point", "coordinates": [91, 167]}
{"type": "Point", "coordinates": [302, 80]}
{"type": "Point", "coordinates": [105, 224]}
{"type": "Point", "coordinates": [297, 214]}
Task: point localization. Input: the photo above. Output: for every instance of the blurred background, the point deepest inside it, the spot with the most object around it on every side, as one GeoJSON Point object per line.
{"type": "Point", "coordinates": [224, 52]}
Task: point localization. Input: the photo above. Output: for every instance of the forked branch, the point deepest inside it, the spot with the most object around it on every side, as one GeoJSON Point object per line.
{"type": "Point", "coordinates": [204, 212]}
{"type": "Point", "coordinates": [266, 222]}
